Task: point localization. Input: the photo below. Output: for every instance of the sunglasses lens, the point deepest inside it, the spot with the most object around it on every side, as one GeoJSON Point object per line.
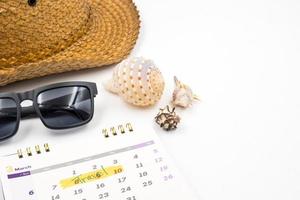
{"type": "Point", "coordinates": [8, 118]}
{"type": "Point", "coordinates": [65, 107]}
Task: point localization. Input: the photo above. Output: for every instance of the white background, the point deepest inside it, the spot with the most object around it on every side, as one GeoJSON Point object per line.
{"type": "Point", "coordinates": [242, 141]}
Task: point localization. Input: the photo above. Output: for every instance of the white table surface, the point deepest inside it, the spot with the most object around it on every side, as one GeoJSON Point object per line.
{"type": "Point", "coordinates": [242, 57]}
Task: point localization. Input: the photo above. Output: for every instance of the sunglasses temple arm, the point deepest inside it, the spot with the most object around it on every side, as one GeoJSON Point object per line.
{"type": "Point", "coordinates": [72, 96]}
{"type": "Point", "coordinates": [26, 112]}
{"type": "Point", "coordinates": [30, 111]}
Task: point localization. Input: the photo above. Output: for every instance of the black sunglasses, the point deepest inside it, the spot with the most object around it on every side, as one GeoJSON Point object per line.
{"type": "Point", "coordinates": [59, 106]}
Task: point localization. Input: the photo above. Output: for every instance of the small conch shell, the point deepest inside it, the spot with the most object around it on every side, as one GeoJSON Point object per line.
{"type": "Point", "coordinates": [183, 95]}
{"type": "Point", "coordinates": [137, 81]}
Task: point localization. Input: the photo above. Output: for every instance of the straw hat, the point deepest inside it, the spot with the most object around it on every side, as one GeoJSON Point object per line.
{"type": "Point", "coordinates": [41, 37]}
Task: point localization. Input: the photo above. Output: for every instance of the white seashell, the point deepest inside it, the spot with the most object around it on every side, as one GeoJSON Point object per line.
{"type": "Point", "coordinates": [137, 81]}
{"type": "Point", "coordinates": [183, 96]}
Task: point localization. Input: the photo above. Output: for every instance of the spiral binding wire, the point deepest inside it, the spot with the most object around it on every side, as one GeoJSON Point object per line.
{"type": "Point", "coordinates": [37, 149]}
{"type": "Point", "coordinates": [114, 131]}
{"type": "Point", "coordinates": [29, 152]}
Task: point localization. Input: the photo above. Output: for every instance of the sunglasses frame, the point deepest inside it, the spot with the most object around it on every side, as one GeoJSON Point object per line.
{"type": "Point", "coordinates": [32, 95]}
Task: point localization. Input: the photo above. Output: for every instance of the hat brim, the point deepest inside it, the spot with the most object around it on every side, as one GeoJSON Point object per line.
{"type": "Point", "coordinates": [113, 31]}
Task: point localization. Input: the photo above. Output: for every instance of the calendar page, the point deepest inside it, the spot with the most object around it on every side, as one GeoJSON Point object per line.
{"type": "Point", "coordinates": [117, 163]}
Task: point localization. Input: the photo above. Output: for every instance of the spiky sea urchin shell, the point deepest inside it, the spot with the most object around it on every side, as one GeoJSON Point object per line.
{"type": "Point", "coordinates": [137, 81]}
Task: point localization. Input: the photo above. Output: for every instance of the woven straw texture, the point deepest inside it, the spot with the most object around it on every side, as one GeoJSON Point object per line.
{"type": "Point", "coordinates": [63, 35]}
